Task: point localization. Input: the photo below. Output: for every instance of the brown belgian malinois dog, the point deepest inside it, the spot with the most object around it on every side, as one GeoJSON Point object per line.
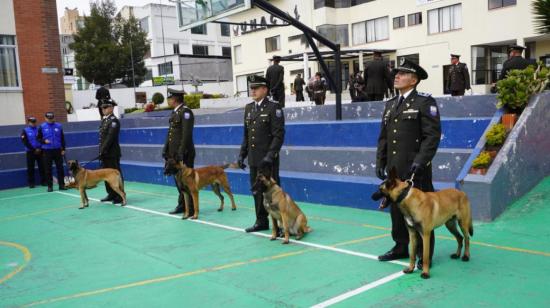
{"type": "Point", "coordinates": [194, 180]}
{"type": "Point", "coordinates": [282, 209]}
{"type": "Point", "coordinates": [425, 211]}
{"type": "Point", "coordinates": [85, 178]}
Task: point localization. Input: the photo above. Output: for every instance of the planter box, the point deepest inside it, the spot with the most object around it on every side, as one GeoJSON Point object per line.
{"type": "Point", "coordinates": [478, 171]}
{"type": "Point", "coordinates": [509, 120]}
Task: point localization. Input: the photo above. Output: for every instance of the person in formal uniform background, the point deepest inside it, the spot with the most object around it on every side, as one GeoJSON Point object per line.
{"type": "Point", "coordinates": [264, 133]}
{"type": "Point", "coordinates": [514, 62]}
{"type": "Point", "coordinates": [351, 85]}
{"type": "Point", "coordinates": [179, 144]}
{"type": "Point", "coordinates": [109, 147]}
{"type": "Point", "coordinates": [50, 135]}
{"type": "Point", "coordinates": [299, 88]}
{"type": "Point", "coordinates": [275, 81]}
{"type": "Point", "coordinates": [319, 88]}
{"type": "Point", "coordinates": [409, 138]}
{"type": "Point", "coordinates": [458, 78]}
{"type": "Point", "coordinates": [377, 78]}
{"type": "Point", "coordinates": [33, 149]}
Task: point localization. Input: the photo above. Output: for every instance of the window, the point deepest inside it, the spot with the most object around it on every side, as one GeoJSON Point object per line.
{"type": "Point", "coordinates": [273, 43]}
{"type": "Point", "coordinates": [199, 29]}
{"type": "Point", "coordinates": [176, 49]}
{"type": "Point", "coordinates": [226, 51]}
{"type": "Point", "coordinates": [317, 4]}
{"type": "Point", "coordinates": [445, 19]}
{"type": "Point", "coordinates": [237, 53]}
{"type": "Point", "coordinates": [399, 22]}
{"type": "Point", "coordinates": [144, 24]}
{"type": "Point", "coordinates": [415, 19]}
{"type": "Point", "coordinates": [495, 4]}
{"type": "Point", "coordinates": [370, 31]}
{"type": "Point", "coordinates": [336, 33]}
{"type": "Point", "coordinates": [201, 50]}
{"type": "Point", "coordinates": [165, 68]}
{"type": "Point", "coordinates": [487, 63]}
{"type": "Point", "coordinates": [412, 57]}
{"type": "Point", "coordinates": [225, 30]}
{"type": "Point", "coordinates": [8, 62]}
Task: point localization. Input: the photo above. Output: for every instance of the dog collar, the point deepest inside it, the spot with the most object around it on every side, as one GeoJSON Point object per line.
{"type": "Point", "coordinates": [403, 194]}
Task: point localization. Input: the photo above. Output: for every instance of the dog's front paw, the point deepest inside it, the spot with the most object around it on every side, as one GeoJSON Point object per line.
{"type": "Point", "coordinates": [408, 270]}
{"type": "Point", "coordinates": [425, 275]}
{"type": "Point", "coordinates": [184, 217]}
{"type": "Point", "coordinates": [82, 207]}
{"type": "Point", "coordinates": [285, 242]}
{"type": "Point", "coordinates": [273, 238]}
{"type": "Point", "coordinates": [465, 258]}
{"type": "Point", "coordinates": [220, 209]}
{"type": "Point", "coordinates": [233, 208]}
{"type": "Point", "coordinates": [195, 217]}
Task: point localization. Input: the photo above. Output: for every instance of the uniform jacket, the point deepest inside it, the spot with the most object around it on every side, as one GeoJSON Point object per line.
{"type": "Point", "coordinates": [264, 132]}
{"type": "Point", "coordinates": [179, 141]}
{"type": "Point", "coordinates": [298, 84]}
{"type": "Point", "coordinates": [29, 136]}
{"type": "Point", "coordinates": [514, 63]}
{"type": "Point", "coordinates": [109, 130]}
{"type": "Point", "coordinates": [409, 134]}
{"type": "Point", "coordinates": [458, 78]}
{"type": "Point", "coordinates": [274, 75]}
{"type": "Point", "coordinates": [377, 77]}
{"type": "Point", "coordinates": [53, 132]}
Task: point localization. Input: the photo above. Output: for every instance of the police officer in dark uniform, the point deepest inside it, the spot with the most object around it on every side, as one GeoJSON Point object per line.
{"type": "Point", "coordinates": [264, 133]}
{"type": "Point", "coordinates": [377, 78]}
{"type": "Point", "coordinates": [299, 88]}
{"type": "Point", "coordinates": [109, 147]}
{"type": "Point", "coordinates": [409, 137]}
{"type": "Point", "coordinates": [50, 135]}
{"type": "Point", "coordinates": [33, 149]}
{"type": "Point", "coordinates": [275, 81]}
{"type": "Point", "coordinates": [515, 62]}
{"type": "Point", "coordinates": [179, 142]}
{"type": "Point", "coordinates": [458, 79]}
{"type": "Point", "coordinates": [102, 95]}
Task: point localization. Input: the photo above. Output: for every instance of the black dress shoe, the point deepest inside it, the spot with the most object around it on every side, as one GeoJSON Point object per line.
{"type": "Point", "coordinates": [393, 254]}
{"type": "Point", "coordinates": [50, 189]}
{"type": "Point", "coordinates": [117, 201]}
{"type": "Point", "coordinates": [62, 188]}
{"type": "Point", "coordinates": [107, 199]}
{"type": "Point", "coordinates": [177, 210]}
{"type": "Point", "coordinates": [256, 228]}
{"type": "Point", "coordinates": [31, 185]}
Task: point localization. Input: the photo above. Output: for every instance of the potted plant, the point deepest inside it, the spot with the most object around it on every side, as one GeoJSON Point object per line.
{"type": "Point", "coordinates": [158, 99]}
{"type": "Point", "coordinates": [495, 138]}
{"type": "Point", "coordinates": [515, 90]}
{"type": "Point", "coordinates": [481, 163]}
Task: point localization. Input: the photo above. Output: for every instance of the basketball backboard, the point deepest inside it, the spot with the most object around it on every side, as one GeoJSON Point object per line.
{"type": "Point", "coordinates": [193, 13]}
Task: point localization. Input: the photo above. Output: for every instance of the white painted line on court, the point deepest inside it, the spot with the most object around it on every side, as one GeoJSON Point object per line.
{"type": "Point", "coordinates": [23, 196]}
{"type": "Point", "coordinates": [360, 290]}
{"type": "Point", "coordinates": [213, 224]}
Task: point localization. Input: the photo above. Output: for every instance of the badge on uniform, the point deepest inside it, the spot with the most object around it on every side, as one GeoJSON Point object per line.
{"type": "Point", "coordinates": [187, 115]}
{"type": "Point", "coordinates": [113, 125]}
{"type": "Point", "coordinates": [278, 113]}
{"type": "Point", "coordinates": [248, 116]}
{"type": "Point", "coordinates": [433, 111]}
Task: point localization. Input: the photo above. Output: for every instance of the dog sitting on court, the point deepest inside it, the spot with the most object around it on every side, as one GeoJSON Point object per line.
{"type": "Point", "coordinates": [194, 180]}
{"type": "Point", "coordinates": [87, 179]}
{"type": "Point", "coordinates": [424, 212]}
{"type": "Point", "coordinates": [282, 209]}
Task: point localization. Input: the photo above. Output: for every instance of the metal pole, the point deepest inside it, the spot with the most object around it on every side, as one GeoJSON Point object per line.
{"type": "Point", "coordinates": [163, 45]}
{"type": "Point", "coordinates": [133, 71]}
{"type": "Point", "coordinates": [338, 63]}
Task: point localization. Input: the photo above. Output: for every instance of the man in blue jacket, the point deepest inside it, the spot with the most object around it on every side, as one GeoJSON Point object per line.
{"type": "Point", "coordinates": [50, 135]}
{"type": "Point", "coordinates": [33, 149]}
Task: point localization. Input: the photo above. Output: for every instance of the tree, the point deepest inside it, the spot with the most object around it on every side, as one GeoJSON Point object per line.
{"type": "Point", "coordinates": [107, 44]}
{"type": "Point", "coordinates": [541, 11]}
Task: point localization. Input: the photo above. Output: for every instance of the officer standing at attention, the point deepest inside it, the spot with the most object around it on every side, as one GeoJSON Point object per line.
{"type": "Point", "coordinates": [299, 88]}
{"type": "Point", "coordinates": [264, 134]}
{"type": "Point", "coordinates": [409, 137]}
{"type": "Point", "coordinates": [102, 94]}
{"type": "Point", "coordinates": [33, 149]}
{"type": "Point", "coordinates": [275, 81]}
{"type": "Point", "coordinates": [179, 144]}
{"type": "Point", "coordinates": [458, 79]}
{"type": "Point", "coordinates": [50, 135]}
{"type": "Point", "coordinates": [515, 62]}
{"type": "Point", "coordinates": [109, 148]}
{"type": "Point", "coordinates": [377, 78]}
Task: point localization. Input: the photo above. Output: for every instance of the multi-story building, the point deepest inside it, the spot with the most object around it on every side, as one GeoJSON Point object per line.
{"type": "Point", "coordinates": [31, 75]}
{"type": "Point", "coordinates": [71, 21]}
{"type": "Point", "coordinates": [201, 53]}
{"type": "Point", "coordinates": [426, 31]}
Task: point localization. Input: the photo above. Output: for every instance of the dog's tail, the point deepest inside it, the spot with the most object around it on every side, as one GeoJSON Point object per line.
{"type": "Point", "coordinates": [231, 166]}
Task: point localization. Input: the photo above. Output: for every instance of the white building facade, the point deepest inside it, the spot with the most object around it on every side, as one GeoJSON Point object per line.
{"type": "Point", "coordinates": [426, 31]}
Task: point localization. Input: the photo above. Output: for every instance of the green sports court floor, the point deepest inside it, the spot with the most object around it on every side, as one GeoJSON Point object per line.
{"type": "Point", "coordinates": [54, 255]}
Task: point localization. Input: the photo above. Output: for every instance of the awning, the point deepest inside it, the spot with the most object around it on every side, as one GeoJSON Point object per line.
{"type": "Point", "coordinates": [346, 54]}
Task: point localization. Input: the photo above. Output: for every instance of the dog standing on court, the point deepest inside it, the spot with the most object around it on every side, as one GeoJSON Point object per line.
{"type": "Point", "coordinates": [424, 212]}
{"type": "Point", "coordinates": [282, 209]}
{"type": "Point", "coordinates": [194, 180]}
{"type": "Point", "coordinates": [85, 178]}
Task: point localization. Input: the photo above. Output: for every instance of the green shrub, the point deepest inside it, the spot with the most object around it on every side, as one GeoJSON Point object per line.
{"type": "Point", "coordinates": [130, 110]}
{"type": "Point", "coordinates": [158, 98]}
{"type": "Point", "coordinates": [193, 101]}
{"type": "Point", "coordinates": [496, 135]}
{"type": "Point", "coordinates": [515, 90]}
{"type": "Point", "coordinates": [482, 161]}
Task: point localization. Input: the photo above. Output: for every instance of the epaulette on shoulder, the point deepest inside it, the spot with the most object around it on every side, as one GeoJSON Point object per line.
{"type": "Point", "coordinates": [424, 94]}
{"type": "Point", "coordinates": [395, 97]}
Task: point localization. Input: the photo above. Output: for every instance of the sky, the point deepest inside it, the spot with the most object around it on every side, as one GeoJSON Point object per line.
{"type": "Point", "coordinates": [84, 5]}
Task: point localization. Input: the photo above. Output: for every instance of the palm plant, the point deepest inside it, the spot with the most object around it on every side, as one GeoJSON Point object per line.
{"type": "Point", "coordinates": [541, 11]}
